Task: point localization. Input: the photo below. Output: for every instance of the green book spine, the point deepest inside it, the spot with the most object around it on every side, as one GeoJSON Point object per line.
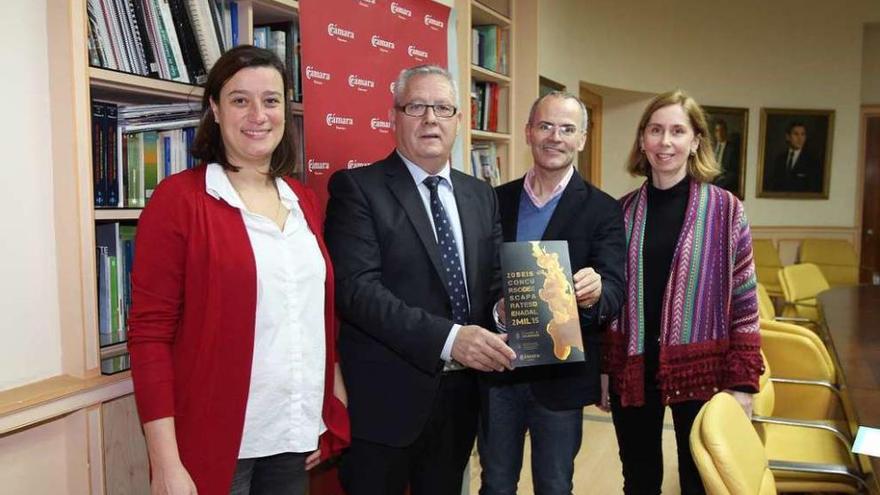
{"type": "Point", "coordinates": [173, 70]}
{"type": "Point", "coordinates": [115, 320]}
{"type": "Point", "coordinates": [151, 163]}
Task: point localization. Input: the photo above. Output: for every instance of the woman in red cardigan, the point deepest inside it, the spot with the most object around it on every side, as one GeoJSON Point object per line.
{"type": "Point", "coordinates": [232, 330]}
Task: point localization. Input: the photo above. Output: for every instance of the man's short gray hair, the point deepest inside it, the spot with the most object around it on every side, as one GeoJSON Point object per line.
{"type": "Point", "coordinates": [565, 95]}
{"type": "Point", "coordinates": [422, 70]}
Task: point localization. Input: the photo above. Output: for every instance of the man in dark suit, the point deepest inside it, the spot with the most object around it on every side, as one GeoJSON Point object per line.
{"type": "Point", "coordinates": [415, 250]}
{"type": "Point", "coordinates": [796, 169]}
{"type": "Point", "coordinates": [553, 202]}
{"type": "Point", "coordinates": [727, 156]}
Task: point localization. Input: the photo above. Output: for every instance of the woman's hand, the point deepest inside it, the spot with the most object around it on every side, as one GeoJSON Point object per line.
{"type": "Point", "coordinates": [172, 480]}
{"type": "Point", "coordinates": [313, 459]}
{"type": "Point", "coordinates": [605, 395]}
{"type": "Point", "coordinates": [744, 399]}
{"type": "Point", "coordinates": [169, 475]}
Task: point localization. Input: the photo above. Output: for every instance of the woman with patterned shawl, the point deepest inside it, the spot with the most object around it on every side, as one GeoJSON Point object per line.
{"type": "Point", "coordinates": [689, 326]}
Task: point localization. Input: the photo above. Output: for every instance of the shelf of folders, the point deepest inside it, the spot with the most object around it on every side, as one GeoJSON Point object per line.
{"type": "Point", "coordinates": [176, 40]}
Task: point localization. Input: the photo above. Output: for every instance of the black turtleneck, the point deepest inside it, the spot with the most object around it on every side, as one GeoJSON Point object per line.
{"type": "Point", "coordinates": [665, 216]}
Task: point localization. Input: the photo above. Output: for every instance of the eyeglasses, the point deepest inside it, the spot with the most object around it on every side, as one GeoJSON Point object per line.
{"type": "Point", "coordinates": [547, 129]}
{"type": "Point", "coordinates": [441, 110]}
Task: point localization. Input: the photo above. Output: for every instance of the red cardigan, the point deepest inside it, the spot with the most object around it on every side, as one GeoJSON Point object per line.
{"type": "Point", "coordinates": [191, 325]}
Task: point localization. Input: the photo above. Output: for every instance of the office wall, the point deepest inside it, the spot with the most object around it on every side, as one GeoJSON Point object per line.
{"type": "Point", "coordinates": [29, 330]}
{"type": "Point", "coordinates": [871, 65]}
{"type": "Point", "coordinates": [784, 54]}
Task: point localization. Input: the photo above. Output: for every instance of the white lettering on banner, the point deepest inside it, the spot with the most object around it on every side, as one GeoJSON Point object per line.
{"type": "Point", "coordinates": [313, 74]}
{"type": "Point", "coordinates": [356, 164]}
{"type": "Point", "coordinates": [367, 3]}
{"type": "Point", "coordinates": [339, 122]}
{"type": "Point", "coordinates": [340, 33]}
{"type": "Point", "coordinates": [416, 53]}
{"type": "Point", "coordinates": [432, 23]}
{"type": "Point", "coordinates": [315, 166]}
{"type": "Point", "coordinates": [380, 125]}
{"type": "Point", "coordinates": [382, 45]}
{"type": "Point", "coordinates": [361, 84]}
{"type": "Point", "coordinates": [399, 11]}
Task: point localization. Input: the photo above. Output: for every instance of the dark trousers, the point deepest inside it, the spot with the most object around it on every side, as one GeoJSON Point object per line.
{"type": "Point", "coordinates": [639, 438]}
{"type": "Point", "coordinates": [508, 411]}
{"type": "Point", "coordinates": [280, 474]}
{"type": "Point", "coordinates": [434, 463]}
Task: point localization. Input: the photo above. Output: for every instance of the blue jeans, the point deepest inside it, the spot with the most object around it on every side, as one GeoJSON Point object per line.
{"type": "Point", "coordinates": [510, 410]}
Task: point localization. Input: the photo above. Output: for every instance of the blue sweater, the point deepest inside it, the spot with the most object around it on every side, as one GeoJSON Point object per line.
{"type": "Point", "coordinates": [532, 221]}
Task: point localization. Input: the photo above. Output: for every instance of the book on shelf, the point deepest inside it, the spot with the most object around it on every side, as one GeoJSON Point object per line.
{"type": "Point", "coordinates": [283, 39]}
{"type": "Point", "coordinates": [115, 364]}
{"type": "Point", "coordinates": [134, 147]}
{"type": "Point", "coordinates": [485, 163]}
{"type": "Point", "coordinates": [114, 246]}
{"type": "Point", "coordinates": [485, 105]}
{"type": "Point", "coordinates": [177, 40]}
{"type": "Point", "coordinates": [489, 47]}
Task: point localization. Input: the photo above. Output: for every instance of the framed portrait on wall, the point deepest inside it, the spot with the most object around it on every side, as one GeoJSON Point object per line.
{"type": "Point", "coordinates": [730, 128]}
{"type": "Point", "coordinates": [794, 155]}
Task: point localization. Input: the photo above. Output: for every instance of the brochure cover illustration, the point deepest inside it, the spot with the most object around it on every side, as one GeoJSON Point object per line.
{"type": "Point", "coordinates": [541, 312]}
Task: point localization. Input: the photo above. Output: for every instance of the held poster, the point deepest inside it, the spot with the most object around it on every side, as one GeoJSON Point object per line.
{"type": "Point", "coordinates": [542, 319]}
{"type": "Point", "coordinates": [352, 51]}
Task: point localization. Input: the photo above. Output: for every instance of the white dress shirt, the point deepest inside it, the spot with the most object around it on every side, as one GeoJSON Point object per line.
{"type": "Point", "coordinates": [286, 392]}
{"type": "Point", "coordinates": [447, 197]}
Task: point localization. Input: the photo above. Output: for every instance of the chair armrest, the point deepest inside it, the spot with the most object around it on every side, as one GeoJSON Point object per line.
{"type": "Point", "coordinates": [792, 319]}
{"type": "Point", "coordinates": [807, 423]}
{"type": "Point", "coordinates": [809, 467]}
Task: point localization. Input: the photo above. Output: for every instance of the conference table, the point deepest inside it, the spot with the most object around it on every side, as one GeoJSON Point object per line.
{"type": "Point", "coordinates": [852, 319]}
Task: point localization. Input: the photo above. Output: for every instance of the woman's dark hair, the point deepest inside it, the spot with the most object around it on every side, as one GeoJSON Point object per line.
{"type": "Point", "coordinates": [208, 143]}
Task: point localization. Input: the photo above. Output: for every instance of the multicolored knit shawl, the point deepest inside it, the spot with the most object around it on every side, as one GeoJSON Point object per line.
{"type": "Point", "coordinates": [710, 294]}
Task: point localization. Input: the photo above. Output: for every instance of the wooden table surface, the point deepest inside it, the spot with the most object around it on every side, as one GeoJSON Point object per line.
{"type": "Point", "coordinates": [852, 319]}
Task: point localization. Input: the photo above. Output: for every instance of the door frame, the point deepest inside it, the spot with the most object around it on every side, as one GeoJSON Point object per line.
{"type": "Point", "coordinates": [593, 102]}
{"type": "Point", "coordinates": [867, 111]}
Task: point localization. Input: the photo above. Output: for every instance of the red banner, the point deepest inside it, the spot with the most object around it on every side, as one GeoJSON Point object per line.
{"type": "Point", "coordinates": [352, 51]}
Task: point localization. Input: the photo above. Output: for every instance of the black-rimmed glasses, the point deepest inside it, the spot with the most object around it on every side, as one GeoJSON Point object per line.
{"type": "Point", "coordinates": [441, 110]}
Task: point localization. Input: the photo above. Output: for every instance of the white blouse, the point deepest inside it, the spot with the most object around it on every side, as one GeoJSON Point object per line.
{"type": "Point", "coordinates": [287, 376]}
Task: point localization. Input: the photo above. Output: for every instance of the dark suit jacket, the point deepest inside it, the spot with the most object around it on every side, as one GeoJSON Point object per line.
{"type": "Point", "coordinates": [391, 295]}
{"type": "Point", "coordinates": [805, 175]}
{"type": "Point", "coordinates": [729, 178]}
{"type": "Point", "coordinates": [592, 223]}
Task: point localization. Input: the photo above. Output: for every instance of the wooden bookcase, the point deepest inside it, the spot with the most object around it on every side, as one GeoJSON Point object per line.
{"type": "Point", "coordinates": [518, 86]}
{"type": "Point", "coordinates": [92, 417]}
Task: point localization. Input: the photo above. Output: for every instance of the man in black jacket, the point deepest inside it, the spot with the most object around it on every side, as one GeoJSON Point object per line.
{"type": "Point", "coordinates": [552, 202]}
{"type": "Point", "coordinates": [415, 250]}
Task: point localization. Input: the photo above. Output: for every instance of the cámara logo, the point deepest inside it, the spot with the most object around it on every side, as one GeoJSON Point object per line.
{"type": "Point", "coordinates": [360, 84]}
{"type": "Point", "coordinates": [339, 33]}
{"type": "Point", "coordinates": [313, 74]}
{"type": "Point", "coordinates": [382, 45]}
{"type": "Point", "coordinates": [402, 12]}
{"type": "Point", "coordinates": [434, 24]}
{"type": "Point", "coordinates": [356, 164]}
{"type": "Point", "coordinates": [415, 53]}
{"type": "Point", "coordinates": [318, 167]}
{"type": "Point", "coordinates": [339, 122]}
{"type": "Point", "coordinates": [383, 126]}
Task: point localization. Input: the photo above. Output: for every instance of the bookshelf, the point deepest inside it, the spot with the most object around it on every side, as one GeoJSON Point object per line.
{"type": "Point", "coordinates": [90, 416]}
{"type": "Point", "coordinates": [513, 75]}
